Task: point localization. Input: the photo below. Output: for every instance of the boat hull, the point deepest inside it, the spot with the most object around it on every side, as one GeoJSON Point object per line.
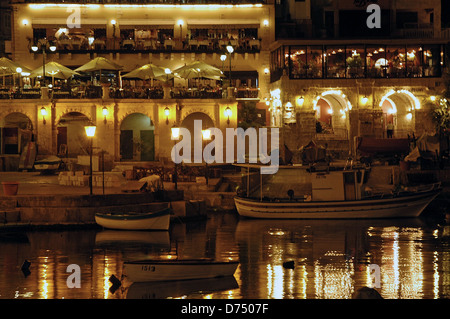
{"type": "Point", "coordinates": [397, 207]}
{"type": "Point", "coordinates": [159, 220]}
{"type": "Point", "coordinates": [148, 271]}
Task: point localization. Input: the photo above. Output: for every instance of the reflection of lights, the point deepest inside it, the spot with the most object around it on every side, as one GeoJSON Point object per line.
{"type": "Point", "coordinates": [436, 274]}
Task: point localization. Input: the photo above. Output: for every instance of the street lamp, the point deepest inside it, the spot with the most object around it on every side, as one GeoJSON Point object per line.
{"type": "Point", "coordinates": [206, 136]}
{"type": "Point", "coordinates": [90, 132]}
{"type": "Point", "coordinates": [19, 71]}
{"type": "Point", "coordinates": [230, 50]}
{"type": "Point", "coordinates": [228, 113]}
{"type": "Point", "coordinates": [43, 49]}
{"type": "Point", "coordinates": [175, 137]}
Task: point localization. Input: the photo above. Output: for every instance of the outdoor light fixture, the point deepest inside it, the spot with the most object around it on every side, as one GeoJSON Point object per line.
{"type": "Point", "coordinates": [43, 113]}
{"type": "Point", "coordinates": [43, 49]}
{"type": "Point", "coordinates": [105, 113]}
{"type": "Point", "coordinates": [364, 100]}
{"type": "Point", "coordinates": [175, 136]}
{"type": "Point", "coordinates": [167, 113]}
{"type": "Point", "coordinates": [230, 50]}
{"type": "Point", "coordinates": [175, 133]}
{"type": "Point", "coordinates": [228, 113]}
{"type": "Point", "coordinates": [90, 133]}
{"type": "Point", "coordinates": [206, 135]}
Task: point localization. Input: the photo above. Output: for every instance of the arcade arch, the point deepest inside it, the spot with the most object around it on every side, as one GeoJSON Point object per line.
{"type": "Point", "coordinates": [16, 130]}
{"type": "Point", "coordinates": [137, 138]}
{"type": "Point", "coordinates": [71, 136]}
{"type": "Point", "coordinates": [398, 108]}
{"type": "Point", "coordinates": [332, 113]}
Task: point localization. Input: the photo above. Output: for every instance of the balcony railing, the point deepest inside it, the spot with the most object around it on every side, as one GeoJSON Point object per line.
{"type": "Point", "coordinates": [95, 92]}
{"type": "Point", "coordinates": [250, 45]}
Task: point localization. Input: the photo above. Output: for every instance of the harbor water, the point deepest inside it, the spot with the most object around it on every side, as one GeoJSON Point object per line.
{"type": "Point", "coordinates": [279, 259]}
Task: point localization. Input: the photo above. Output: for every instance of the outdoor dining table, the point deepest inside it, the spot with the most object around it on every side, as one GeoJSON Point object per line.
{"type": "Point", "coordinates": [193, 43]}
{"type": "Point", "coordinates": [168, 43]}
{"type": "Point", "coordinates": [254, 43]}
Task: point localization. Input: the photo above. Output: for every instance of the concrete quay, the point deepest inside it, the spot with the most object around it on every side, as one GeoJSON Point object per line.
{"type": "Point", "coordinates": [42, 201]}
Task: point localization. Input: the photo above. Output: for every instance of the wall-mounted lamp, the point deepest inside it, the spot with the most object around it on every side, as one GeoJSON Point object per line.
{"type": "Point", "coordinates": [43, 113]}
{"type": "Point", "coordinates": [433, 98]}
{"type": "Point", "coordinates": [167, 113]}
{"type": "Point", "coordinates": [113, 22]}
{"type": "Point", "coordinates": [266, 23]}
{"type": "Point", "coordinates": [266, 71]}
{"type": "Point", "coordinates": [409, 116]}
{"type": "Point", "coordinates": [105, 113]}
{"type": "Point", "coordinates": [300, 101]}
{"type": "Point", "coordinates": [228, 113]}
{"type": "Point", "coordinates": [364, 100]}
{"type": "Point", "coordinates": [25, 22]}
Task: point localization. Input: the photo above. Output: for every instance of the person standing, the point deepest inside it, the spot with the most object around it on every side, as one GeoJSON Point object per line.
{"type": "Point", "coordinates": [390, 130]}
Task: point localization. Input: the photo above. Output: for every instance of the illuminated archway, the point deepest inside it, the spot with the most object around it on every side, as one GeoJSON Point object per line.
{"type": "Point", "coordinates": [398, 106]}
{"type": "Point", "coordinates": [332, 109]}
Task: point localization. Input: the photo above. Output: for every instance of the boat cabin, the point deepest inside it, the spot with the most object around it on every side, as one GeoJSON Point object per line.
{"type": "Point", "coordinates": [338, 185]}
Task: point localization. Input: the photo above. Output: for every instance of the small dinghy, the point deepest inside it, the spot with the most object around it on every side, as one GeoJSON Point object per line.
{"type": "Point", "coordinates": [154, 220]}
{"type": "Point", "coordinates": [188, 269]}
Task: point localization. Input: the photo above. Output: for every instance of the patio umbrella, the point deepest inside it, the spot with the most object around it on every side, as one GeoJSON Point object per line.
{"type": "Point", "coordinates": [145, 72]}
{"type": "Point", "coordinates": [99, 64]}
{"type": "Point", "coordinates": [199, 69]}
{"type": "Point", "coordinates": [9, 67]}
{"type": "Point", "coordinates": [55, 70]}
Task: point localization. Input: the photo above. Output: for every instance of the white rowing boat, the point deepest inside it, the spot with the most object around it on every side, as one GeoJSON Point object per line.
{"type": "Point", "coordinates": [168, 270]}
{"type": "Point", "coordinates": [154, 220]}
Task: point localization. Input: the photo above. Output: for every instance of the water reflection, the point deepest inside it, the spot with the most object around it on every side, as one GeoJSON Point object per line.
{"type": "Point", "coordinates": [331, 259]}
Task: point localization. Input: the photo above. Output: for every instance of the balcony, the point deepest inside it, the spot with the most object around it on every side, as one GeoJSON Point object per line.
{"type": "Point", "coordinates": [95, 92]}
{"type": "Point", "coordinates": [203, 45]}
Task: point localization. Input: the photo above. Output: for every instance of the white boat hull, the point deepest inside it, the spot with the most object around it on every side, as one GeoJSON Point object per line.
{"type": "Point", "coordinates": [397, 207]}
{"type": "Point", "coordinates": [153, 221]}
{"type": "Point", "coordinates": [147, 271]}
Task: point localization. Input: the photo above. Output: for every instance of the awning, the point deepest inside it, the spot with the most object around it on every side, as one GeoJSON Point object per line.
{"type": "Point", "coordinates": [223, 24]}
{"type": "Point", "coordinates": [147, 23]}
{"type": "Point", "coordinates": [383, 146]}
{"type": "Point", "coordinates": [45, 23]}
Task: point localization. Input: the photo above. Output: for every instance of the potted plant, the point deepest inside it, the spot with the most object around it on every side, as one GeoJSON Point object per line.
{"type": "Point", "coordinates": [10, 188]}
{"type": "Point", "coordinates": [354, 63]}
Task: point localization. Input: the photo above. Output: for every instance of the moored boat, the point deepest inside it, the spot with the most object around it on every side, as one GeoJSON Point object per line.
{"type": "Point", "coordinates": [168, 270]}
{"type": "Point", "coordinates": [153, 220]}
{"type": "Point", "coordinates": [340, 194]}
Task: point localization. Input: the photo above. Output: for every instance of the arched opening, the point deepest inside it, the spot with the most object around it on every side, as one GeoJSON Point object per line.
{"type": "Point", "coordinates": [137, 138]}
{"type": "Point", "coordinates": [188, 123]}
{"type": "Point", "coordinates": [398, 109]}
{"type": "Point", "coordinates": [16, 131]}
{"type": "Point", "coordinates": [71, 136]}
{"type": "Point", "coordinates": [332, 113]}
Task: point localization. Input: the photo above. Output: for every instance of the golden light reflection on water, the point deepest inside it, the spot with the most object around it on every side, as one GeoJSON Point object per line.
{"type": "Point", "coordinates": [331, 261]}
